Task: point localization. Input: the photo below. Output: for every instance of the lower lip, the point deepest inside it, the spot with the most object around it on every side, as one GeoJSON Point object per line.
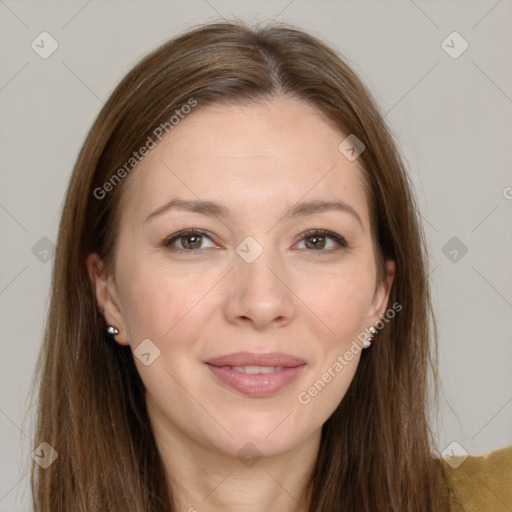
{"type": "Point", "coordinates": [257, 385]}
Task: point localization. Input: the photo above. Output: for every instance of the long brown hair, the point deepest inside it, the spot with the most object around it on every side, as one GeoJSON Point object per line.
{"type": "Point", "coordinates": [377, 451]}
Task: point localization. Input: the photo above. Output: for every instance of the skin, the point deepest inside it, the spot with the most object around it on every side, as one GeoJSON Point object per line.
{"type": "Point", "coordinates": [259, 160]}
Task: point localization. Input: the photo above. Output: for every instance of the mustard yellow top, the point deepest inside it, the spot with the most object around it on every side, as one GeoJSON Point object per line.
{"type": "Point", "coordinates": [483, 484]}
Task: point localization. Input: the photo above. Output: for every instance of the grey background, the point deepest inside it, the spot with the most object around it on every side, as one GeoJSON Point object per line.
{"type": "Point", "coordinates": [452, 119]}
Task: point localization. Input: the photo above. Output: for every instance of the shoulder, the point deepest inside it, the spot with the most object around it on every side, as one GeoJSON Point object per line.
{"type": "Point", "coordinates": [482, 483]}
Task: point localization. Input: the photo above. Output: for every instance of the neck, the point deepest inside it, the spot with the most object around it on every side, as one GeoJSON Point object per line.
{"type": "Point", "coordinates": [203, 479]}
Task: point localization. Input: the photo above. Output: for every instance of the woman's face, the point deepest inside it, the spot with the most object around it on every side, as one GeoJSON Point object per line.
{"type": "Point", "coordinates": [214, 306]}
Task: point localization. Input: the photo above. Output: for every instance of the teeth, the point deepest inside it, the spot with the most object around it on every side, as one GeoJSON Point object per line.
{"type": "Point", "coordinates": [256, 369]}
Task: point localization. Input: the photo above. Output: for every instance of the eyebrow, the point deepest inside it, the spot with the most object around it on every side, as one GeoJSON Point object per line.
{"type": "Point", "coordinates": [214, 209]}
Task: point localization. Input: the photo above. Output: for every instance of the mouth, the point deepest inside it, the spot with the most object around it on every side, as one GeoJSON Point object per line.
{"type": "Point", "coordinates": [256, 375]}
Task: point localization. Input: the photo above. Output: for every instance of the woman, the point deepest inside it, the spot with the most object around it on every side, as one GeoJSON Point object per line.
{"type": "Point", "coordinates": [240, 310]}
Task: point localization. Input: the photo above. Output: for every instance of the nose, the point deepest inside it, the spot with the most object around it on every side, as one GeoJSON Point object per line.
{"type": "Point", "coordinates": [259, 294]}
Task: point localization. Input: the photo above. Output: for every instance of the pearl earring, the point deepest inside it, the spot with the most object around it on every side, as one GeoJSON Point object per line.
{"type": "Point", "coordinates": [368, 342]}
{"type": "Point", "coordinates": [112, 330]}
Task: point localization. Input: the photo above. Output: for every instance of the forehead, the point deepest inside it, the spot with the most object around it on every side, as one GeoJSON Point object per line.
{"type": "Point", "coordinates": [254, 155]}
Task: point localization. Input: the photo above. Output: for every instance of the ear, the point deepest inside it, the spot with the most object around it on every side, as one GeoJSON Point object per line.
{"type": "Point", "coordinates": [106, 295]}
{"type": "Point", "coordinates": [381, 295]}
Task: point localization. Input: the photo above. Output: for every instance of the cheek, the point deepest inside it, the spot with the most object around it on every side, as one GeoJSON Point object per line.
{"type": "Point", "coordinates": [341, 300]}
{"type": "Point", "coordinates": [156, 300]}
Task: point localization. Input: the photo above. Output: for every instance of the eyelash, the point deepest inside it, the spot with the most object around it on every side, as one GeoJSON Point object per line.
{"type": "Point", "coordinates": [307, 234]}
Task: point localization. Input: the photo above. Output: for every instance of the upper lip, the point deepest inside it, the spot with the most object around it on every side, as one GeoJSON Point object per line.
{"type": "Point", "coordinates": [251, 359]}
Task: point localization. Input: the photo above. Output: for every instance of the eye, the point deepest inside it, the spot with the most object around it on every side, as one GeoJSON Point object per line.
{"type": "Point", "coordinates": [188, 240]}
{"type": "Point", "coordinates": [318, 240]}
{"type": "Point", "coordinates": [322, 241]}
